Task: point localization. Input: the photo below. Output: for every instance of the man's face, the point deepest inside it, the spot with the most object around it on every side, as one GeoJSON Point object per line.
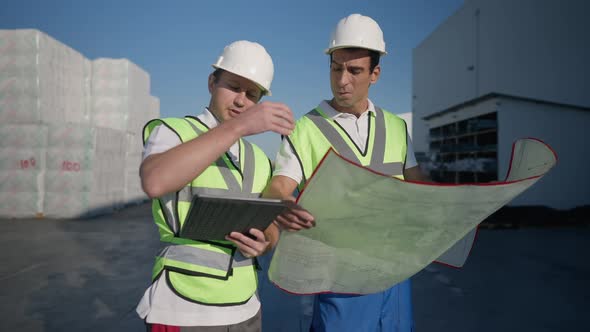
{"type": "Point", "coordinates": [231, 95]}
{"type": "Point", "coordinates": [350, 76]}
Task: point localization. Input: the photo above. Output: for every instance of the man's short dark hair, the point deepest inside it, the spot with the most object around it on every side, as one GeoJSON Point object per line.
{"type": "Point", "coordinates": [374, 55]}
{"type": "Point", "coordinates": [216, 74]}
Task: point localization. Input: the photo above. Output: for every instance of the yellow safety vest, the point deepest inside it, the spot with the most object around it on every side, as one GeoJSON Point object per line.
{"type": "Point", "coordinates": [385, 149]}
{"type": "Point", "coordinates": [207, 272]}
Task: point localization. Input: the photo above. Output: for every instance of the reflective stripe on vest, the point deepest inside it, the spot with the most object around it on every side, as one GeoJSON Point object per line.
{"type": "Point", "coordinates": [377, 164]}
{"type": "Point", "coordinates": [206, 258]}
{"type": "Point", "coordinates": [248, 173]}
{"type": "Point", "coordinates": [213, 270]}
{"type": "Point", "coordinates": [389, 132]}
{"type": "Point", "coordinates": [169, 202]}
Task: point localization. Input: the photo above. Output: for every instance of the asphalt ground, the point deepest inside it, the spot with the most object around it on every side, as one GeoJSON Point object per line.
{"type": "Point", "coordinates": [89, 274]}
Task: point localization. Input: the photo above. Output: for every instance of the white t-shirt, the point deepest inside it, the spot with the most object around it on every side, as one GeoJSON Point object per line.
{"type": "Point", "coordinates": [159, 305]}
{"type": "Point", "coordinates": [286, 163]}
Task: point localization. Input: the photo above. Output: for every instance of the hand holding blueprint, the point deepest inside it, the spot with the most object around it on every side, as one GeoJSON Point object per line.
{"type": "Point", "coordinates": [374, 231]}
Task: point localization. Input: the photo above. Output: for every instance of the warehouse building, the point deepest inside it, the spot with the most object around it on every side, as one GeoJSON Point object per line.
{"type": "Point", "coordinates": [499, 70]}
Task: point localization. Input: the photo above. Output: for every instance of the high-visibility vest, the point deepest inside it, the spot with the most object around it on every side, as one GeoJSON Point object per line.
{"type": "Point", "coordinates": [207, 272]}
{"type": "Point", "coordinates": [385, 149]}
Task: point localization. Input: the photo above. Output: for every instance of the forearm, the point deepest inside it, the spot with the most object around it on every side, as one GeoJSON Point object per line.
{"type": "Point", "coordinates": [280, 187]}
{"type": "Point", "coordinates": [171, 170]}
{"type": "Point", "coordinates": [272, 234]}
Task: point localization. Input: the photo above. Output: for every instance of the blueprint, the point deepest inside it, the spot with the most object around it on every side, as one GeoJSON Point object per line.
{"type": "Point", "coordinates": [374, 231]}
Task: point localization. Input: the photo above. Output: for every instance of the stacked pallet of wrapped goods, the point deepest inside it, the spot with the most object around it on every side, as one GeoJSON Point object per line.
{"type": "Point", "coordinates": [63, 129]}
{"type": "Point", "coordinates": [120, 99]}
{"type": "Point", "coordinates": [119, 92]}
{"type": "Point", "coordinates": [134, 142]}
{"type": "Point", "coordinates": [83, 174]}
{"type": "Point", "coordinates": [42, 80]}
{"type": "Point", "coordinates": [22, 169]}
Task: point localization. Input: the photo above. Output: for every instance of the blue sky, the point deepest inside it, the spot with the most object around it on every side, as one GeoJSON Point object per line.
{"type": "Point", "coordinates": [177, 41]}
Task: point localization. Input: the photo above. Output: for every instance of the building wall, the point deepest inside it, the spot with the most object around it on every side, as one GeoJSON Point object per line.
{"type": "Point", "coordinates": [529, 48]}
{"type": "Point", "coordinates": [441, 77]}
{"type": "Point", "coordinates": [565, 130]}
{"type": "Point", "coordinates": [465, 112]}
{"type": "Point", "coordinates": [535, 49]}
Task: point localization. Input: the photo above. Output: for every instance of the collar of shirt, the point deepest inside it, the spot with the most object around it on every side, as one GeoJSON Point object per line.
{"type": "Point", "coordinates": [330, 112]}
{"type": "Point", "coordinates": [211, 121]}
{"type": "Point", "coordinates": [208, 118]}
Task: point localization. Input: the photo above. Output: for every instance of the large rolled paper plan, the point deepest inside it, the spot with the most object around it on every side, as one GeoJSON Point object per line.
{"type": "Point", "coordinates": [373, 231]}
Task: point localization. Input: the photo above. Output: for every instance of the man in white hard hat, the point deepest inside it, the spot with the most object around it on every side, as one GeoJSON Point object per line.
{"type": "Point", "coordinates": [360, 131]}
{"type": "Point", "coordinates": [211, 285]}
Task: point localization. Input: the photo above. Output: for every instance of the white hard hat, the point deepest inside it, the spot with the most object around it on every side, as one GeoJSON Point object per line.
{"type": "Point", "coordinates": [249, 60]}
{"type": "Point", "coordinates": [357, 30]}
